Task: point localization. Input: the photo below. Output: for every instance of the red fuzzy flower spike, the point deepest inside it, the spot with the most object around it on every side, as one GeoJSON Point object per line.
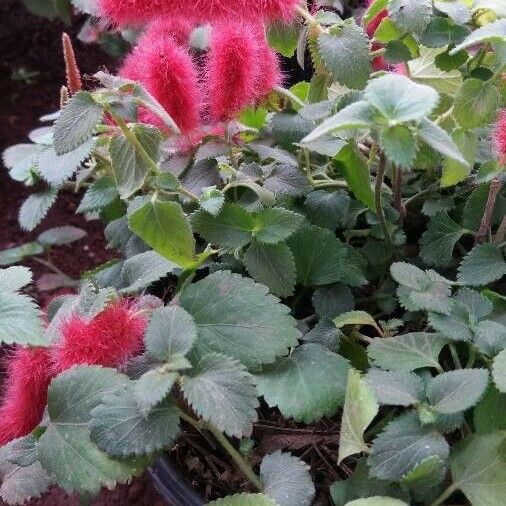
{"type": "Point", "coordinates": [110, 339]}
{"type": "Point", "coordinates": [25, 394]}
{"type": "Point", "coordinates": [131, 12]}
{"type": "Point", "coordinates": [168, 73]}
{"type": "Point", "coordinates": [233, 69]}
{"type": "Point", "coordinates": [178, 28]}
{"type": "Point", "coordinates": [270, 74]}
{"type": "Point", "coordinates": [500, 136]}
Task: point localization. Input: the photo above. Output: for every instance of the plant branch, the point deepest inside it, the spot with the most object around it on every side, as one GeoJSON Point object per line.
{"type": "Point", "coordinates": [397, 187]}
{"type": "Point", "coordinates": [380, 176]}
{"type": "Point", "coordinates": [310, 19]}
{"type": "Point", "coordinates": [52, 268]}
{"type": "Point", "coordinates": [501, 232]}
{"type": "Point", "coordinates": [486, 221]}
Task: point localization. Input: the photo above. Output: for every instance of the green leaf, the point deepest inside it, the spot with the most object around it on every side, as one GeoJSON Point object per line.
{"type": "Point", "coordinates": [454, 9]}
{"type": "Point", "coordinates": [357, 115]}
{"type": "Point", "coordinates": [421, 290]}
{"type": "Point", "coordinates": [438, 139]}
{"type": "Point", "coordinates": [77, 122]}
{"type": "Point", "coordinates": [439, 240]}
{"type": "Point", "coordinates": [100, 194]}
{"type": "Point", "coordinates": [482, 265]}
{"type": "Point", "coordinates": [19, 253]}
{"type": "Point", "coordinates": [476, 103]}
{"type": "Point", "coordinates": [60, 236]}
{"type": "Point", "coordinates": [275, 225]}
{"type": "Point", "coordinates": [307, 385]}
{"type": "Point", "coordinates": [164, 226]}
{"type": "Point", "coordinates": [232, 227]}
{"type": "Point", "coordinates": [237, 317]}
{"type": "Point", "coordinates": [286, 180]}
{"type": "Point", "coordinates": [152, 387]}
{"type": "Point", "coordinates": [454, 172]}
{"type": "Point", "coordinates": [56, 169]}
{"type": "Point", "coordinates": [499, 371]}
{"type": "Point", "coordinates": [20, 159]}
{"type": "Point", "coordinates": [411, 15]}
{"type": "Point", "coordinates": [399, 99]}
{"type": "Point", "coordinates": [283, 37]}
{"type": "Point", "coordinates": [455, 391]}
{"type": "Point", "coordinates": [456, 325]}
{"type": "Point", "coordinates": [356, 172]}
{"type": "Point", "coordinates": [377, 501]}
{"type": "Point", "coordinates": [442, 32]}
{"type": "Point", "coordinates": [288, 129]}
{"type": "Point", "coordinates": [399, 145]}
{"type": "Point", "coordinates": [170, 334]}
{"type": "Point", "coordinates": [402, 445]}
{"type": "Point", "coordinates": [330, 301]}
{"type": "Point", "coordinates": [489, 414]}
{"type": "Point", "coordinates": [396, 388]}
{"type": "Point", "coordinates": [141, 270]}
{"type": "Point", "coordinates": [474, 207]}
{"type": "Point", "coordinates": [243, 499]}
{"type": "Point", "coordinates": [221, 391]}
{"type": "Point", "coordinates": [407, 352]}
{"type": "Point", "coordinates": [128, 165]}
{"type": "Point", "coordinates": [119, 427]}
{"type": "Point", "coordinates": [319, 256]}
{"type": "Point", "coordinates": [272, 265]}
{"type": "Point", "coordinates": [490, 337]}
{"type": "Point", "coordinates": [20, 317]}
{"type": "Point", "coordinates": [35, 208]}
{"type": "Point", "coordinates": [373, 10]}
{"type": "Point", "coordinates": [327, 209]}
{"type": "Point", "coordinates": [360, 409]}
{"type": "Point", "coordinates": [345, 53]}
{"type": "Point", "coordinates": [355, 318]}
{"type": "Point", "coordinates": [212, 200]}
{"type": "Point", "coordinates": [479, 469]}
{"type": "Point", "coordinates": [65, 449]}
{"type": "Point", "coordinates": [492, 32]}
{"type": "Point", "coordinates": [287, 480]}
{"type": "Point", "coordinates": [425, 477]}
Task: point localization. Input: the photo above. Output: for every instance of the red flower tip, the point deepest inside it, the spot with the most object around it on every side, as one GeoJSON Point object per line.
{"type": "Point", "coordinates": [130, 12]}
{"type": "Point", "coordinates": [178, 28]}
{"type": "Point", "coordinates": [25, 392]}
{"type": "Point", "coordinates": [168, 73]}
{"type": "Point", "coordinates": [110, 339]}
{"type": "Point", "coordinates": [500, 136]}
{"type": "Point", "coordinates": [74, 83]}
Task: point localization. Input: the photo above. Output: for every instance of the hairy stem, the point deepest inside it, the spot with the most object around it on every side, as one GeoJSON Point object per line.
{"type": "Point", "coordinates": [397, 187]}
{"type": "Point", "coordinates": [380, 176]}
{"type": "Point", "coordinates": [501, 232]}
{"type": "Point", "coordinates": [486, 221]}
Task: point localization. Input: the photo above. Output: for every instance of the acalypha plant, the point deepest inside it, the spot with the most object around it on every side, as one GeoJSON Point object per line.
{"type": "Point", "coordinates": [333, 250]}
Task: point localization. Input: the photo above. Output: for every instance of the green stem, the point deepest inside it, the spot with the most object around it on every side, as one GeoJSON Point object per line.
{"type": "Point", "coordinates": [330, 184]}
{"type": "Point", "coordinates": [310, 19]}
{"type": "Point", "coordinates": [455, 356]}
{"type": "Point", "coordinates": [472, 357]}
{"type": "Point", "coordinates": [447, 493]}
{"type": "Point", "coordinates": [380, 176]}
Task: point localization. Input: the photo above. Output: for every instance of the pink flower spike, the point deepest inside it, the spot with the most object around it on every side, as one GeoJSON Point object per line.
{"type": "Point", "coordinates": [25, 392]}
{"type": "Point", "coordinates": [500, 136]}
{"type": "Point", "coordinates": [233, 69]}
{"type": "Point", "coordinates": [168, 73]}
{"type": "Point", "coordinates": [177, 27]}
{"type": "Point", "coordinates": [130, 12]}
{"type": "Point", "coordinates": [270, 74]}
{"type": "Point", "coordinates": [110, 339]}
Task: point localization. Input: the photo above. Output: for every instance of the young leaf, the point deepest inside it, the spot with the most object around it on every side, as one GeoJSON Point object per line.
{"type": "Point", "coordinates": [425, 477]}
{"type": "Point", "coordinates": [355, 318]}
{"type": "Point", "coordinates": [100, 194]}
{"type": "Point", "coordinates": [272, 265]}
{"type": "Point", "coordinates": [399, 144]}
{"type": "Point", "coordinates": [399, 99]}
{"type": "Point", "coordinates": [407, 352]}
{"type": "Point", "coordinates": [396, 388]}
{"type": "Point", "coordinates": [455, 391]}
{"type": "Point", "coordinates": [287, 480]}
{"type": "Point", "coordinates": [479, 470]}
{"type": "Point", "coordinates": [499, 371]}
{"type": "Point", "coordinates": [170, 334]}
{"type": "Point", "coordinates": [128, 165]}
{"type": "Point", "coordinates": [35, 207]}
{"type": "Point", "coordinates": [455, 172]}
{"type": "Point", "coordinates": [164, 226]}
{"type": "Point", "coordinates": [212, 200]}
{"type": "Point", "coordinates": [482, 265]}
{"type": "Point", "coordinates": [76, 123]}
{"type": "Point", "coordinates": [476, 103]}
{"type": "Point", "coordinates": [119, 427]}
{"type": "Point", "coordinates": [65, 449]}
{"type": "Point", "coordinates": [360, 408]}
{"type": "Point", "coordinates": [492, 32]}
{"type": "Point", "coordinates": [456, 325]}
{"type": "Point", "coordinates": [237, 317]}
{"type": "Point", "coordinates": [60, 236]}
{"type": "Point", "coordinates": [243, 499]}
{"type": "Point", "coordinates": [402, 445]}
{"type": "Point", "coordinates": [221, 391]}
{"type": "Point", "coordinates": [307, 385]}
{"type": "Point", "coordinates": [232, 227]}
{"type": "Point", "coordinates": [438, 241]}
{"type": "Point", "coordinates": [345, 52]}
{"type": "Point", "coordinates": [275, 225]}
{"type": "Point", "coordinates": [411, 15]}
{"type": "Point", "coordinates": [152, 387]}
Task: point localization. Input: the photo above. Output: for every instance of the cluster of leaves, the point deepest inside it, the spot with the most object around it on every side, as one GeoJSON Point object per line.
{"type": "Point", "coordinates": [338, 196]}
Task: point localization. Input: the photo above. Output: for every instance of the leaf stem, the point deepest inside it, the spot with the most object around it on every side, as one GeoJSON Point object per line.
{"type": "Point", "coordinates": [447, 493]}
{"type": "Point", "coordinates": [53, 268]}
{"type": "Point", "coordinates": [455, 356]}
{"type": "Point", "coordinates": [486, 221]}
{"type": "Point", "coordinates": [501, 232]}
{"type": "Point", "coordinates": [380, 176]}
{"type": "Point", "coordinates": [309, 18]}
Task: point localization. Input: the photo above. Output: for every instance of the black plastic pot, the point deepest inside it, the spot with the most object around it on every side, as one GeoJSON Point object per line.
{"type": "Point", "coordinates": [172, 486]}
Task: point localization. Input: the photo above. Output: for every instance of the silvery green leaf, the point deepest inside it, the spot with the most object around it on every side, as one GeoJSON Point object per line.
{"type": "Point", "coordinates": [35, 207]}
{"type": "Point", "coordinates": [492, 32]}
{"type": "Point", "coordinates": [411, 15]}
{"type": "Point", "coordinates": [499, 371]}
{"type": "Point", "coordinates": [482, 265]}
{"type": "Point", "coordinates": [396, 388]}
{"type": "Point", "coordinates": [490, 337]}
{"type": "Point", "coordinates": [243, 499]}
{"type": "Point", "coordinates": [60, 236]}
